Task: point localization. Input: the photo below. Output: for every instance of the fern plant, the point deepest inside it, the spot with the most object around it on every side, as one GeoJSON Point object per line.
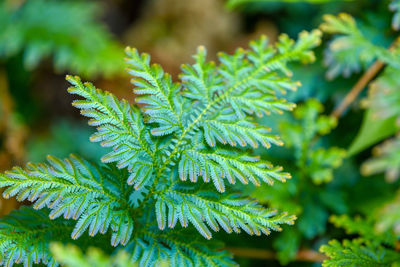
{"type": "Point", "coordinates": [201, 128]}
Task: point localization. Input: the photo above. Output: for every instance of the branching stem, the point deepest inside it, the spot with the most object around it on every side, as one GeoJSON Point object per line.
{"type": "Point", "coordinates": [371, 72]}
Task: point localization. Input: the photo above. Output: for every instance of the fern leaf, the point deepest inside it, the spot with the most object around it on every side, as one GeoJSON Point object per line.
{"type": "Point", "coordinates": [243, 132]}
{"type": "Point", "coordinates": [160, 96]}
{"type": "Point", "coordinates": [175, 134]}
{"type": "Point", "coordinates": [259, 71]}
{"type": "Point", "coordinates": [210, 210]}
{"type": "Point", "coordinates": [119, 125]}
{"type": "Point", "coordinates": [200, 81]}
{"type": "Point", "coordinates": [257, 103]}
{"type": "Point", "coordinates": [73, 189]}
{"type": "Point", "coordinates": [218, 164]}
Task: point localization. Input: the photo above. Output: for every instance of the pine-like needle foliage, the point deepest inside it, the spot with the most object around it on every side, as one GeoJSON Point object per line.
{"type": "Point", "coordinates": [202, 128]}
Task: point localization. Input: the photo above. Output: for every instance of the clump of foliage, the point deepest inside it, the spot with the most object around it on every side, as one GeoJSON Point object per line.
{"type": "Point", "coordinates": [374, 234]}
{"type": "Point", "coordinates": [32, 32]}
{"type": "Point", "coordinates": [368, 249]}
{"type": "Point", "coordinates": [171, 161]}
{"type": "Point", "coordinates": [310, 196]}
{"type": "Point", "coordinates": [66, 30]}
{"type": "Point", "coordinates": [202, 128]}
{"type": "Point", "coordinates": [361, 52]}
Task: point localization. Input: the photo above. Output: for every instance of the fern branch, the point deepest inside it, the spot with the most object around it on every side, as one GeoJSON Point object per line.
{"type": "Point", "coordinates": [201, 80]}
{"type": "Point", "coordinates": [264, 61]}
{"type": "Point", "coordinates": [119, 125]}
{"type": "Point", "coordinates": [243, 132]}
{"type": "Point", "coordinates": [75, 189]}
{"type": "Point", "coordinates": [230, 212]}
{"type": "Point", "coordinates": [219, 164]}
{"type": "Point", "coordinates": [157, 91]}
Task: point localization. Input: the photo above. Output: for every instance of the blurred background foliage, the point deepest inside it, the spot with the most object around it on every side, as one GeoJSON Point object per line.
{"type": "Point", "coordinates": [42, 40]}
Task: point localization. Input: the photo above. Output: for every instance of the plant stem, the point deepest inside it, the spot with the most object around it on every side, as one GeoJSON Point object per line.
{"type": "Point", "coordinates": [371, 72]}
{"type": "Point", "coordinates": [358, 87]}
{"type": "Point", "coordinates": [263, 254]}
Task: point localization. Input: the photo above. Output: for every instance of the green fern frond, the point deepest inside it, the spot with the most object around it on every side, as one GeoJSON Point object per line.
{"type": "Point", "coordinates": [173, 113]}
{"type": "Point", "coordinates": [211, 210]}
{"type": "Point", "coordinates": [204, 126]}
{"type": "Point", "coordinates": [246, 72]}
{"type": "Point", "coordinates": [373, 247]}
{"type": "Point", "coordinates": [238, 132]}
{"type": "Point", "coordinates": [168, 111]}
{"type": "Point", "coordinates": [221, 164]}
{"type": "Point", "coordinates": [75, 190]}
{"type": "Point", "coordinates": [157, 92]}
{"type": "Point", "coordinates": [120, 126]}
